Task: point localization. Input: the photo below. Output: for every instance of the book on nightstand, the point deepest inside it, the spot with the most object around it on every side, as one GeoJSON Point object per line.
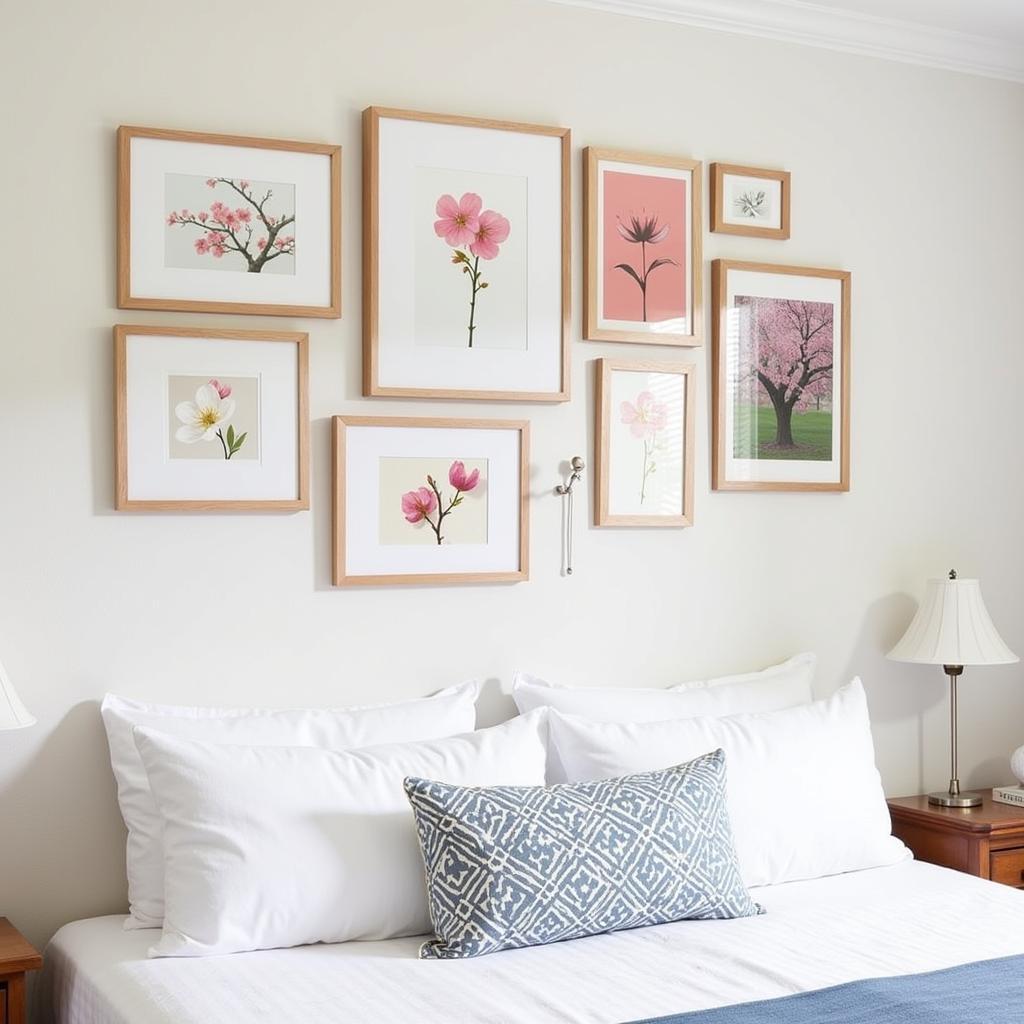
{"type": "Point", "coordinates": [1009, 795]}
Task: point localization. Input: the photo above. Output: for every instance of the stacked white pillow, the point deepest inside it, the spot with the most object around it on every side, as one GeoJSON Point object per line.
{"type": "Point", "coordinates": [781, 686]}
{"type": "Point", "coordinates": [449, 712]}
{"type": "Point", "coordinates": [805, 798]}
{"type": "Point", "coordinates": [279, 846]}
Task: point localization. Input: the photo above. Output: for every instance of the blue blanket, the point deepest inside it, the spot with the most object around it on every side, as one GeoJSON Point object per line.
{"type": "Point", "coordinates": [986, 992]}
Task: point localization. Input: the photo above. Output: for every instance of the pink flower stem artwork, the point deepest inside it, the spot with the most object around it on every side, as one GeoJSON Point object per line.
{"type": "Point", "coordinates": [231, 230]}
{"type": "Point", "coordinates": [643, 231]}
{"type": "Point", "coordinates": [463, 226]}
{"type": "Point", "coordinates": [646, 418]}
{"type": "Point", "coordinates": [419, 505]}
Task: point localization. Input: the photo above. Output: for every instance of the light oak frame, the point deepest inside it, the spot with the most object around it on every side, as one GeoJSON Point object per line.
{"type": "Point", "coordinates": [592, 157]}
{"type": "Point", "coordinates": [125, 299]}
{"type": "Point", "coordinates": [341, 578]}
{"type": "Point", "coordinates": [719, 292]}
{"type": "Point", "coordinates": [717, 190]}
{"type": "Point", "coordinates": [372, 117]}
{"type": "Point", "coordinates": [121, 500]}
{"type": "Point", "coordinates": [605, 368]}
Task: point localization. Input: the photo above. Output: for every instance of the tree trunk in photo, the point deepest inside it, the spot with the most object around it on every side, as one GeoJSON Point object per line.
{"type": "Point", "coordinates": [783, 422]}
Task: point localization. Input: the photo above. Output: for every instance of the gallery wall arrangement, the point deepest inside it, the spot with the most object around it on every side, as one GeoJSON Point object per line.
{"type": "Point", "coordinates": [466, 284]}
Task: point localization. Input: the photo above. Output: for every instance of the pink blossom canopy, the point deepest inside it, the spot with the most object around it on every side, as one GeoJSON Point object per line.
{"type": "Point", "coordinates": [646, 417]}
{"type": "Point", "coordinates": [492, 229]}
{"type": "Point", "coordinates": [460, 479]}
{"type": "Point", "coordinates": [418, 504]}
{"type": "Point", "coordinates": [458, 221]}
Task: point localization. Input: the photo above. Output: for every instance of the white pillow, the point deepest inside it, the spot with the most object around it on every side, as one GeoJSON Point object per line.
{"type": "Point", "coordinates": [280, 846]}
{"type": "Point", "coordinates": [781, 686]}
{"type": "Point", "coordinates": [804, 795]}
{"type": "Point", "coordinates": [449, 712]}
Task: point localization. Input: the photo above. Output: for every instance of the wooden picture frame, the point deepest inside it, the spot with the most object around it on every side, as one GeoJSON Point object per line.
{"type": "Point", "coordinates": [366, 530]}
{"type": "Point", "coordinates": [392, 364]}
{"type": "Point", "coordinates": [741, 460]}
{"type": "Point", "coordinates": [184, 288]}
{"type": "Point", "coordinates": [658, 405]}
{"type": "Point", "coordinates": [678, 181]}
{"type": "Point", "coordinates": [158, 381]}
{"type": "Point", "coordinates": [776, 195]}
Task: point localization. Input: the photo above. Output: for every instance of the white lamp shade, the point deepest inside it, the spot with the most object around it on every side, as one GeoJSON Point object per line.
{"type": "Point", "coordinates": [13, 714]}
{"type": "Point", "coordinates": [952, 627]}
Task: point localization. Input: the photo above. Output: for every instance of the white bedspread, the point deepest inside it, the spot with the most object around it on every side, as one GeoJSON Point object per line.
{"type": "Point", "coordinates": [902, 919]}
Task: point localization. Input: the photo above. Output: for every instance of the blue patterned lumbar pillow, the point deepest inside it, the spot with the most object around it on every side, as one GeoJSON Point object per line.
{"type": "Point", "coordinates": [510, 866]}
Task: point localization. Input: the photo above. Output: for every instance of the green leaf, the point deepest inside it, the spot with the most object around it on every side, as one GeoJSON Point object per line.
{"type": "Point", "coordinates": [231, 436]}
{"type": "Point", "coordinates": [239, 441]}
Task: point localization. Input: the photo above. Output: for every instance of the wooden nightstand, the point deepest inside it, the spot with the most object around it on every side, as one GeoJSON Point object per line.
{"type": "Point", "coordinates": [986, 841]}
{"type": "Point", "coordinates": [17, 956]}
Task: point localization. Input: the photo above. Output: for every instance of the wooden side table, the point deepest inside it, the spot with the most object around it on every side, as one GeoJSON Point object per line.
{"type": "Point", "coordinates": [17, 957]}
{"type": "Point", "coordinates": [986, 841]}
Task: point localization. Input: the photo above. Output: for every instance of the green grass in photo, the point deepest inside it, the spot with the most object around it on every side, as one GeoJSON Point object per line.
{"type": "Point", "coordinates": [754, 435]}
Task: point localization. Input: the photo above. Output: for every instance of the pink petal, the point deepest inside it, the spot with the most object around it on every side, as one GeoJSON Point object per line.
{"type": "Point", "coordinates": [447, 207]}
{"type": "Point", "coordinates": [660, 235]}
{"type": "Point", "coordinates": [470, 204]}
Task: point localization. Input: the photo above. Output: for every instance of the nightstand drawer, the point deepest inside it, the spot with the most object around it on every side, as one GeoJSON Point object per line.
{"type": "Point", "coordinates": [1007, 867]}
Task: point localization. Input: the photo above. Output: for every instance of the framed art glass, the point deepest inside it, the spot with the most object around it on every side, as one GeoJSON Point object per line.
{"type": "Point", "coordinates": [642, 237]}
{"type": "Point", "coordinates": [211, 419]}
{"type": "Point", "coordinates": [749, 201]}
{"type": "Point", "coordinates": [430, 500]}
{"type": "Point", "coordinates": [645, 443]}
{"type": "Point", "coordinates": [227, 224]}
{"type": "Point", "coordinates": [465, 258]}
{"type": "Point", "coordinates": [781, 387]}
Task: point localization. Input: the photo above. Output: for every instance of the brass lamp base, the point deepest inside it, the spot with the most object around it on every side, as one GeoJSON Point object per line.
{"type": "Point", "coordinates": [957, 800]}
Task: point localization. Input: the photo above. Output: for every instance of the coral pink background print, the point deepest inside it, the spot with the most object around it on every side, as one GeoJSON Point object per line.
{"type": "Point", "coordinates": [644, 195]}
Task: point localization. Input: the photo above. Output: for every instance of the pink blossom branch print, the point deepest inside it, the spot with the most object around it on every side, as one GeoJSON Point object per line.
{"type": "Point", "coordinates": [643, 231]}
{"type": "Point", "coordinates": [463, 226]}
{"type": "Point", "coordinates": [424, 502]}
{"type": "Point", "coordinates": [249, 229]}
{"type": "Point", "coordinates": [646, 418]}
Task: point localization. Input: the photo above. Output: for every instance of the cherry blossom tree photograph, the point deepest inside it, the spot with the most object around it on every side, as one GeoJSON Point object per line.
{"type": "Point", "coordinates": [233, 224]}
{"type": "Point", "coordinates": [784, 379]}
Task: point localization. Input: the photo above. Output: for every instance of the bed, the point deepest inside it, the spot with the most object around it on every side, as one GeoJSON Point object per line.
{"type": "Point", "coordinates": [899, 920]}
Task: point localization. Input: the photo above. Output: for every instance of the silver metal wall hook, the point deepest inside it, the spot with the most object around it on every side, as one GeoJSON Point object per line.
{"type": "Point", "coordinates": [565, 490]}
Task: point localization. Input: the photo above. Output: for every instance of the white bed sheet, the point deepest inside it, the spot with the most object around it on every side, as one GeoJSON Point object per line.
{"type": "Point", "coordinates": [902, 919]}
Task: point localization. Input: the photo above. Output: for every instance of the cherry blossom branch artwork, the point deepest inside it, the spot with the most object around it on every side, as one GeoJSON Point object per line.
{"type": "Point", "coordinates": [474, 234]}
{"type": "Point", "coordinates": [204, 425]}
{"type": "Point", "coordinates": [646, 418]}
{"type": "Point", "coordinates": [428, 504]}
{"type": "Point", "coordinates": [643, 230]}
{"type": "Point", "coordinates": [241, 225]}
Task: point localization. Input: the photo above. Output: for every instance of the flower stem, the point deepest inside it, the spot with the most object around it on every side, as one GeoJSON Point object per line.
{"type": "Point", "coordinates": [643, 292]}
{"type": "Point", "coordinates": [227, 454]}
{"type": "Point", "coordinates": [474, 278]}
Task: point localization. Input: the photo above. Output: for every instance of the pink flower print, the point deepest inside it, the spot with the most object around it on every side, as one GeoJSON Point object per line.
{"type": "Point", "coordinates": [212, 182]}
{"type": "Point", "coordinates": [243, 215]}
{"type": "Point", "coordinates": [202, 246]}
{"type": "Point", "coordinates": [244, 186]}
{"type": "Point", "coordinates": [646, 417]}
{"type": "Point", "coordinates": [222, 389]}
{"type": "Point", "coordinates": [492, 228]}
{"type": "Point", "coordinates": [261, 243]}
{"type": "Point", "coordinates": [460, 479]}
{"type": "Point", "coordinates": [203, 216]}
{"type": "Point", "coordinates": [418, 504]}
{"type": "Point", "coordinates": [459, 221]}
{"type": "Point", "coordinates": [172, 218]}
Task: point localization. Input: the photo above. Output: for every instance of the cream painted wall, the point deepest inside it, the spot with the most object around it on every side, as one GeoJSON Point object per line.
{"type": "Point", "coordinates": [908, 177]}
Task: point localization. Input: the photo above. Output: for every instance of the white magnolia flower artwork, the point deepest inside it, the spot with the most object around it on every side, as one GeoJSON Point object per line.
{"type": "Point", "coordinates": [205, 418]}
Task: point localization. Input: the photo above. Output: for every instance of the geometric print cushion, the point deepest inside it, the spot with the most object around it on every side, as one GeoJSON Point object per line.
{"type": "Point", "coordinates": [510, 866]}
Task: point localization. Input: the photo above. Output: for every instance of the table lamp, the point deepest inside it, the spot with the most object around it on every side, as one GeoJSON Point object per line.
{"type": "Point", "coordinates": [13, 714]}
{"type": "Point", "coordinates": [952, 628]}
